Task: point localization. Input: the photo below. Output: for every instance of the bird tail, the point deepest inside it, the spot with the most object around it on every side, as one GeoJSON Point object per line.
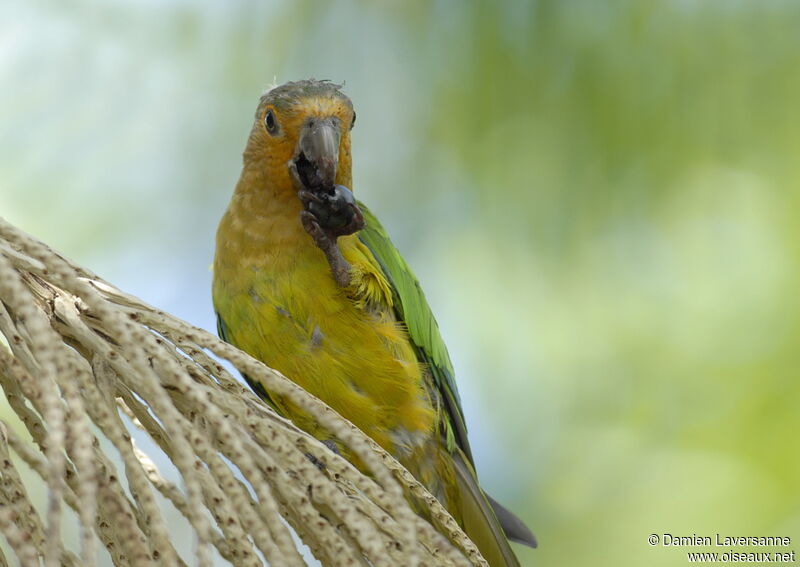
{"type": "Point", "coordinates": [479, 518]}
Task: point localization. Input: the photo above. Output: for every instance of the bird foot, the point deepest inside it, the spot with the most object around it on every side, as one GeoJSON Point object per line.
{"type": "Point", "coordinates": [326, 216]}
{"type": "Point", "coordinates": [335, 212]}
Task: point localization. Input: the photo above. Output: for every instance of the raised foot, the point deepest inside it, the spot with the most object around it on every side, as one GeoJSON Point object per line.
{"type": "Point", "coordinates": [335, 212]}
{"type": "Point", "coordinates": [327, 216]}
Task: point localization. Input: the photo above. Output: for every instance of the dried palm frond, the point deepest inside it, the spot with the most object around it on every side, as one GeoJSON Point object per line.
{"type": "Point", "coordinates": [85, 366]}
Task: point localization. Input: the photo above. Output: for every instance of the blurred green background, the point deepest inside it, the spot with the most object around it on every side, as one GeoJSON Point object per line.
{"type": "Point", "coordinates": [598, 197]}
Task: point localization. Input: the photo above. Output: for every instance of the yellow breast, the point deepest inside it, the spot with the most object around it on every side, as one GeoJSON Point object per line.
{"type": "Point", "coordinates": [275, 292]}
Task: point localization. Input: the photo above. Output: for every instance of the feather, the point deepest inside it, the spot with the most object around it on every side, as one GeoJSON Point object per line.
{"type": "Point", "coordinates": [486, 522]}
{"type": "Point", "coordinates": [478, 517]}
{"type": "Point", "coordinates": [412, 308]}
{"type": "Point", "coordinates": [513, 527]}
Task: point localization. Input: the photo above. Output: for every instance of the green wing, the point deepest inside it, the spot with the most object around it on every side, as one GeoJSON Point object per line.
{"type": "Point", "coordinates": [412, 308]}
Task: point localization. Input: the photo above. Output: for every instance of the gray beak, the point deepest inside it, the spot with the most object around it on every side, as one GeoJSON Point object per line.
{"type": "Point", "coordinates": [318, 153]}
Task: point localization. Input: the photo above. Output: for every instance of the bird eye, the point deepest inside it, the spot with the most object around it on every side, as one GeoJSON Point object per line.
{"type": "Point", "coordinates": [270, 122]}
{"type": "Point", "coordinates": [353, 123]}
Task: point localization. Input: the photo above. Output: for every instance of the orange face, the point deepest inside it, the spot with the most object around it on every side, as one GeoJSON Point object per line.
{"type": "Point", "coordinates": [301, 136]}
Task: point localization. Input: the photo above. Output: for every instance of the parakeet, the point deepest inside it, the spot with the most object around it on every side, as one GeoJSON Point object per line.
{"type": "Point", "coordinates": [307, 281]}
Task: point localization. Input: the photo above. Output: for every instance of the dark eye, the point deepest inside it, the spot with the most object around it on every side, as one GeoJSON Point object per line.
{"type": "Point", "coordinates": [353, 123]}
{"type": "Point", "coordinates": [270, 122]}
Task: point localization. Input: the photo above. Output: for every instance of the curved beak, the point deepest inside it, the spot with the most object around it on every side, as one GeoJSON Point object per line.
{"type": "Point", "coordinates": [317, 154]}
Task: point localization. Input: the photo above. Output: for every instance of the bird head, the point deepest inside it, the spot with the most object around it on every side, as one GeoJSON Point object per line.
{"type": "Point", "coordinates": [301, 136]}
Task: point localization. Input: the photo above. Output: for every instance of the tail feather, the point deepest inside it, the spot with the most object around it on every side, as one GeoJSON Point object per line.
{"type": "Point", "coordinates": [478, 516]}
{"type": "Point", "coordinates": [513, 527]}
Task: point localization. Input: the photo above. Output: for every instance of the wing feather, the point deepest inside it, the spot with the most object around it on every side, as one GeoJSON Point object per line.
{"type": "Point", "coordinates": [412, 308]}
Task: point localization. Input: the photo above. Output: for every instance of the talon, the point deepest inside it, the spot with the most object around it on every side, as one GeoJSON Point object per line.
{"type": "Point", "coordinates": [313, 228]}
{"type": "Point", "coordinates": [308, 196]}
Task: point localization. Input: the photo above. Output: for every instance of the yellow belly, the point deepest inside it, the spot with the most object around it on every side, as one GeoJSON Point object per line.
{"type": "Point", "coordinates": [281, 305]}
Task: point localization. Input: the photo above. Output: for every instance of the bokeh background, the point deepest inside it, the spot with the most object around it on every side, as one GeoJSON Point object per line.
{"type": "Point", "coordinates": [599, 198]}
